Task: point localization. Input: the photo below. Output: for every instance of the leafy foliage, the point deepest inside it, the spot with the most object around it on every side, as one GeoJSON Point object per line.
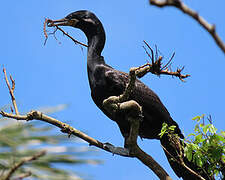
{"type": "Point", "coordinates": [166, 129]}
{"type": "Point", "coordinates": [19, 140]}
{"type": "Point", "coordinates": [206, 145]}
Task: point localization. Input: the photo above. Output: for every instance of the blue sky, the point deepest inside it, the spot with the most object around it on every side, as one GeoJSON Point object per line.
{"type": "Point", "coordinates": [56, 73]}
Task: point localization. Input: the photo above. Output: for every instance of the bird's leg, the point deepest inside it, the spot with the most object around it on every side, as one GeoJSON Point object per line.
{"type": "Point", "coordinates": [134, 116]}
{"type": "Point", "coordinates": [133, 113]}
{"type": "Point", "coordinates": [111, 104]}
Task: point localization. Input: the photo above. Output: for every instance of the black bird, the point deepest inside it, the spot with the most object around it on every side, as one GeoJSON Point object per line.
{"type": "Point", "coordinates": [106, 81]}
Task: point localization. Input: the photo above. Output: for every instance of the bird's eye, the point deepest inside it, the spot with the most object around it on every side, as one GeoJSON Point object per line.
{"type": "Point", "coordinates": [69, 17]}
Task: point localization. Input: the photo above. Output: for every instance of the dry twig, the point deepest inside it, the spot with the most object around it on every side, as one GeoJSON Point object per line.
{"type": "Point", "coordinates": [155, 67]}
{"type": "Point", "coordinates": [45, 32]}
{"type": "Point", "coordinates": [64, 33]}
{"type": "Point", "coordinates": [185, 9]}
{"type": "Point", "coordinates": [11, 90]}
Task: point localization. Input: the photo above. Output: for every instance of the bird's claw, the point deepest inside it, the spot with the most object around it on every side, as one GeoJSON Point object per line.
{"type": "Point", "coordinates": [116, 150]}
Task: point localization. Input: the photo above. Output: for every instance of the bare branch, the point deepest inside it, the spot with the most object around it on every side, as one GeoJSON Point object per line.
{"type": "Point", "coordinates": [155, 67]}
{"type": "Point", "coordinates": [65, 128]}
{"type": "Point", "coordinates": [74, 40]}
{"type": "Point", "coordinates": [45, 32]}
{"type": "Point", "coordinates": [11, 90]}
{"type": "Point", "coordinates": [169, 62]}
{"type": "Point", "coordinates": [22, 162]}
{"type": "Point", "coordinates": [64, 33]}
{"type": "Point", "coordinates": [185, 9]}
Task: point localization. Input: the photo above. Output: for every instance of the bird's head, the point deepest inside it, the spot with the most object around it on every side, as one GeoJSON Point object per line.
{"type": "Point", "coordinates": [83, 19]}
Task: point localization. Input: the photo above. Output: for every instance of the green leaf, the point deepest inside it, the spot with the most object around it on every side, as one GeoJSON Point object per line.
{"type": "Point", "coordinates": [197, 129]}
{"type": "Point", "coordinates": [172, 128]}
{"type": "Point", "coordinates": [163, 130]}
{"type": "Point", "coordinates": [206, 128]}
{"type": "Point", "coordinates": [191, 134]}
{"type": "Point", "coordinates": [198, 139]}
{"type": "Point", "coordinates": [212, 129]}
{"type": "Point", "coordinates": [198, 118]}
{"type": "Point", "coordinates": [188, 152]}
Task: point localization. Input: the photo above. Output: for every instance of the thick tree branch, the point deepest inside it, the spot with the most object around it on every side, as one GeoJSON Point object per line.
{"type": "Point", "coordinates": [137, 152]}
{"type": "Point", "coordinates": [185, 9]}
{"type": "Point", "coordinates": [22, 162]}
{"type": "Point", "coordinates": [65, 128]}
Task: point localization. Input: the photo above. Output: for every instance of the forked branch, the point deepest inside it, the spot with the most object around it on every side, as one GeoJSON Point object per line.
{"type": "Point", "coordinates": [155, 67]}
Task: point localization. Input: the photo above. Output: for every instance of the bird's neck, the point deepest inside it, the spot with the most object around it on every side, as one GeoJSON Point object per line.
{"type": "Point", "coordinates": [95, 45]}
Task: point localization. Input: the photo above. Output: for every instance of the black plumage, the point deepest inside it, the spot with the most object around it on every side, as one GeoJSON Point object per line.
{"type": "Point", "coordinates": [106, 81]}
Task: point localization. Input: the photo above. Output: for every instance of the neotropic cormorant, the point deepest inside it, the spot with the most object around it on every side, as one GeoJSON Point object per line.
{"type": "Point", "coordinates": [106, 81]}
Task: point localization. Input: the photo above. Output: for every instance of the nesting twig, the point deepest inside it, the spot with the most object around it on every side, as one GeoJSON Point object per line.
{"type": "Point", "coordinates": [185, 9]}
{"type": "Point", "coordinates": [155, 66]}
{"type": "Point", "coordinates": [64, 33]}
{"type": "Point", "coordinates": [11, 90]}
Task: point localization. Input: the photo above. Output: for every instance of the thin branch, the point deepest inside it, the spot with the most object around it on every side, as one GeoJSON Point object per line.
{"type": "Point", "coordinates": [22, 162]}
{"type": "Point", "coordinates": [44, 29]}
{"type": "Point", "coordinates": [169, 62]}
{"type": "Point", "coordinates": [185, 9]}
{"type": "Point", "coordinates": [150, 50]}
{"type": "Point", "coordinates": [74, 40]}
{"type": "Point", "coordinates": [11, 90]}
{"type": "Point", "coordinates": [155, 67]}
{"type": "Point", "coordinates": [64, 33]}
